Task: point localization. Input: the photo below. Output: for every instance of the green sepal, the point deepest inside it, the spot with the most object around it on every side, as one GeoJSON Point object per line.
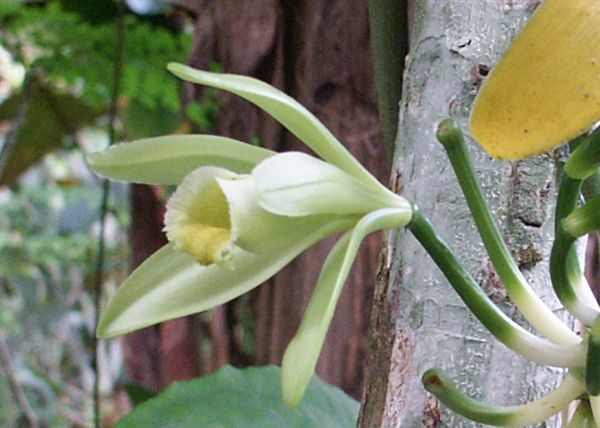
{"type": "Point", "coordinates": [168, 159]}
{"type": "Point", "coordinates": [301, 355]}
{"type": "Point", "coordinates": [171, 284]}
{"type": "Point", "coordinates": [289, 112]}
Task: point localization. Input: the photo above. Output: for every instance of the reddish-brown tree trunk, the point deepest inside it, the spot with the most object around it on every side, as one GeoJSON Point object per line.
{"type": "Point", "coordinates": [158, 355]}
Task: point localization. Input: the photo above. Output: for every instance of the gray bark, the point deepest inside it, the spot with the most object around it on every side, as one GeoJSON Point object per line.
{"type": "Point", "coordinates": [419, 322]}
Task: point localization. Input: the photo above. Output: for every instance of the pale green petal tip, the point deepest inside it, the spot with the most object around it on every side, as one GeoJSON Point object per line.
{"type": "Point", "coordinates": [177, 68]}
{"type": "Point", "coordinates": [297, 368]}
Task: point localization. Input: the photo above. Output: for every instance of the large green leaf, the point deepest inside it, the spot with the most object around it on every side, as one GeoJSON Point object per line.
{"type": "Point", "coordinates": [49, 117]}
{"type": "Point", "coordinates": [249, 398]}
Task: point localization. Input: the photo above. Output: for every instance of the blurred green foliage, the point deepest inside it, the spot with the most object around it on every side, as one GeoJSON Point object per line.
{"type": "Point", "coordinates": [73, 48]}
{"type": "Point", "coordinates": [48, 240]}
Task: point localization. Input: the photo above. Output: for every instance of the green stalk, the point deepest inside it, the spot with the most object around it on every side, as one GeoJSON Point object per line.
{"type": "Point", "coordinates": [592, 365]}
{"type": "Point", "coordinates": [585, 219]}
{"type": "Point", "coordinates": [568, 197]}
{"type": "Point", "coordinates": [585, 159]}
{"type": "Point", "coordinates": [564, 272]}
{"type": "Point", "coordinates": [440, 385]}
{"type": "Point", "coordinates": [568, 281]}
{"type": "Point", "coordinates": [532, 307]}
{"type": "Point", "coordinates": [495, 321]}
{"type": "Point", "coordinates": [388, 21]}
{"type": "Point", "coordinates": [591, 186]}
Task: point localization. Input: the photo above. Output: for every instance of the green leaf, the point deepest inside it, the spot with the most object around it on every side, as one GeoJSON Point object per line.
{"type": "Point", "coordinates": [171, 284]}
{"type": "Point", "coordinates": [248, 398]}
{"type": "Point", "coordinates": [168, 159]}
{"type": "Point", "coordinates": [290, 113]}
{"type": "Point", "coordinates": [296, 184]}
{"type": "Point", "coordinates": [49, 117]}
{"type": "Point", "coordinates": [300, 358]}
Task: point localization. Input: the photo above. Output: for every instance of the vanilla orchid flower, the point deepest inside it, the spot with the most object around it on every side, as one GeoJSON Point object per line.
{"type": "Point", "coordinates": [241, 213]}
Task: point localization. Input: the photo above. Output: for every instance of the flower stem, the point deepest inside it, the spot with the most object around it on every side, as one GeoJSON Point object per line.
{"type": "Point", "coordinates": [585, 159]}
{"type": "Point", "coordinates": [567, 279]}
{"type": "Point", "coordinates": [495, 321]}
{"type": "Point", "coordinates": [585, 219]}
{"type": "Point", "coordinates": [592, 365]}
{"type": "Point", "coordinates": [532, 307]}
{"type": "Point", "coordinates": [439, 384]}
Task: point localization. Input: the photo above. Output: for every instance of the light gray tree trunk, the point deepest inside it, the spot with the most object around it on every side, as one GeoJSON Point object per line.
{"type": "Point", "coordinates": [418, 320]}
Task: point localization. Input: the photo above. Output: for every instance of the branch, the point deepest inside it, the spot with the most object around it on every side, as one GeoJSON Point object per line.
{"type": "Point", "coordinates": [20, 397]}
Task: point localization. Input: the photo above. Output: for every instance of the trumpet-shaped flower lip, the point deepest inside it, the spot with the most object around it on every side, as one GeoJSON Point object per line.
{"type": "Point", "coordinates": [197, 217]}
{"type": "Point", "coordinates": [546, 88]}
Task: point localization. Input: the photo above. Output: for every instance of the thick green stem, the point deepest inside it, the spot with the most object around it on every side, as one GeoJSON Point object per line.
{"type": "Point", "coordinates": [585, 159]}
{"type": "Point", "coordinates": [389, 39]}
{"type": "Point", "coordinates": [564, 274]}
{"type": "Point", "coordinates": [568, 281]}
{"type": "Point", "coordinates": [495, 321]}
{"type": "Point", "coordinates": [436, 382]}
{"type": "Point", "coordinates": [585, 219]}
{"type": "Point", "coordinates": [532, 307]}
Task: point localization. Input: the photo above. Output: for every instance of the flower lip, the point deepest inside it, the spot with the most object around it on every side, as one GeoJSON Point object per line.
{"type": "Point", "coordinates": [197, 218]}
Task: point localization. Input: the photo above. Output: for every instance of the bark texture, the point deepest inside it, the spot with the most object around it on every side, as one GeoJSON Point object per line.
{"type": "Point", "coordinates": [418, 321]}
{"type": "Point", "coordinates": [161, 354]}
{"type": "Point", "coordinates": [319, 53]}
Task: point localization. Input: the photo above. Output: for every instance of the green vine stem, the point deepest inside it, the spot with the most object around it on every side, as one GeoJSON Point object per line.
{"type": "Point", "coordinates": [568, 281]}
{"type": "Point", "coordinates": [440, 385]}
{"type": "Point", "coordinates": [389, 39]}
{"type": "Point", "coordinates": [585, 159]}
{"type": "Point", "coordinates": [592, 365]}
{"type": "Point", "coordinates": [532, 307]}
{"type": "Point", "coordinates": [495, 321]}
{"type": "Point", "coordinates": [584, 220]}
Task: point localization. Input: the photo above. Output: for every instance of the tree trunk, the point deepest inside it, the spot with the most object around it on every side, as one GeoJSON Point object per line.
{"type": "Point", "coordinates": [418, 320]}
{"type": "Point", "coordinates": [157, 355]}
{"type": "Point", "coordinates": [319, 53]}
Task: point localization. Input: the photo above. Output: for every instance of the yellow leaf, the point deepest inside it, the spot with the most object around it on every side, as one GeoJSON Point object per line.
{"type": "Point", "coordinates": [546, 88]}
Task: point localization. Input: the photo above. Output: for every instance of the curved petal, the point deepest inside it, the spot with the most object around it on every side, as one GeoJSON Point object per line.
{"type": "Point", "coordinates": [296, 184]}
{"type": "Point", "coordinates": [171, 284]}
{"type": "Point", "coordinates": [168, 159]}
{"type": "Point", "coordinates": [289, 112]}
{"type": "Point", "coordinates": [302, 353]}
{"type": "Point", "coordinates": [545, 90]}
{"type": "Point", "coordinates": [259, 231]}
